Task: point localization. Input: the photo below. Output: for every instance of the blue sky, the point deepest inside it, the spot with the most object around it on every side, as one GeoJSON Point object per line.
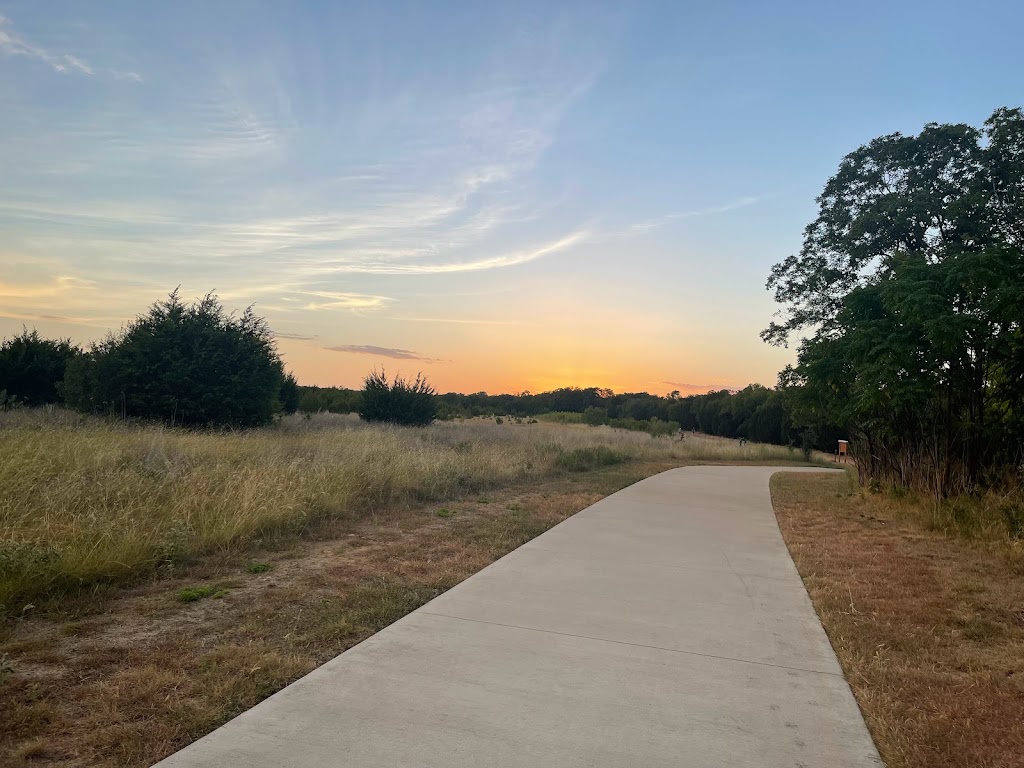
{"type": "Point", "coordinates": [507, 196]}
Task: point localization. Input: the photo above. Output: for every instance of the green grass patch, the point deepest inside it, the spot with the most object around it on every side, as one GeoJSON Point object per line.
{"type": "Point", "coordinates": [445, 512]}
{"type": "Point", "coordinates": [194, 594]}
{"type": "Point", "coordinates": [257, 567]}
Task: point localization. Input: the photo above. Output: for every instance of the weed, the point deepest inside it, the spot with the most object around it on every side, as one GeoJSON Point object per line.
{"type": "Point", "coordinates": [445, 512]}
{"type": "Point", "coordinates": [193, 594]}
{"type": "Point", "coordinates": [257, 567]}
{"type": "Point", "coordinates": [33, 750]}
{"type": "Point", "coordinates": [1013, 515]}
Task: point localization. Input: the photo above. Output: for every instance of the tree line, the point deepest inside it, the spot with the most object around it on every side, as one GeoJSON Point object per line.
{"type": "Point", "coordinates": [197, 365]}
{"type": "Point", "coordinates": [755, 413]}
{"type": "Point", "coordinates": [184, 364]}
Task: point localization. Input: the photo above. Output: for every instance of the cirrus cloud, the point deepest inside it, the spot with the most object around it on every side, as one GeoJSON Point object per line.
{"type": "Point", "coordinates": [394, 354]}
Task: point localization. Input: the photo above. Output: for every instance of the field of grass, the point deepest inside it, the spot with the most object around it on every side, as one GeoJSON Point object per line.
{"type": "Point", "coordinates": [924, 605]}
{"type": "Point", "coordinates": [177, 578]}
{"type": "Point", "coordinates": [83, 501]}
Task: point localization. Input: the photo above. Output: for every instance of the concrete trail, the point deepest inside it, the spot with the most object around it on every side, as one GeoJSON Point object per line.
{"type": "Point", "coordinates": [665, 625]}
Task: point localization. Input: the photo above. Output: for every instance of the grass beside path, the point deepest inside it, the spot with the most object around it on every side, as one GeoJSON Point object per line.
{"type": "Point", "coordinates": [924, 606]}
{"type": "Point", "coordinates": [185, 576]}
{"type": "Point", "coordinates": [86, 503]}
{"type": "Point", "coordinates": [126, 677]}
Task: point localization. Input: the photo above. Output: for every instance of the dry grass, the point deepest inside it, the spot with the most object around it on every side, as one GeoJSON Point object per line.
{"type": "Point", "coordinates": [924, 606]}
{"type": "Point", "coordinates": [179, 578]}
{"type": "Point", "coordinates": [129, 678]}
{"type": "Point", "coordinates": [86, 502]}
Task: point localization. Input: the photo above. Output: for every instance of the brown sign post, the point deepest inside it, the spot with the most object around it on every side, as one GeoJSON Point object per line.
{"type": "Point", "coordinates": [841, 451]}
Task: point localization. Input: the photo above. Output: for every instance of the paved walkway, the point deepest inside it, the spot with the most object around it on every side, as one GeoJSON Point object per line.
{"type": "Point", "coordinates": [664, 626]}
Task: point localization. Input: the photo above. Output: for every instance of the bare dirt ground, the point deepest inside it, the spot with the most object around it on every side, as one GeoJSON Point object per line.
{"type": "Point", "coordinates": [125, 676]}
{"type": "Point", "coordinates": [929, 628]}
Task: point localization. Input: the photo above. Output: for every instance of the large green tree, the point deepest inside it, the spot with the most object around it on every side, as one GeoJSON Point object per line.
{"type": "Point", "coordinates": [188, 364]}
{"type": "Point", "coordinates": [909, 289]}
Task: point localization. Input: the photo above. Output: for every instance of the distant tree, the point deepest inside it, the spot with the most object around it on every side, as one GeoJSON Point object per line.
{"type": "Point", "coordinates": [401, 401]}
{"type": "Point", "coordinates": [330, 399]}
{"type": "Point", "coordinates": [32, 367]}
{"type": "Point", "coordinates": [189, 364]}
{"type": "Point", "coordinates": [289, 394]}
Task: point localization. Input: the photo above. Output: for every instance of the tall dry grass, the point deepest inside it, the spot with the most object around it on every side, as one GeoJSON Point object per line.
{"type": "Point", "coordinates": [84, 500]}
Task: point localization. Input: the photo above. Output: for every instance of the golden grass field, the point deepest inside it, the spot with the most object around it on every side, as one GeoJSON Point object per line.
{"type": "Point", "coordinates": [160, 582]}
{"type": "Point", "coordinates": [84, 501]}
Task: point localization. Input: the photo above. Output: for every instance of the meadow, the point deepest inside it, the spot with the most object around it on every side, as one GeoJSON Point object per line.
{"type": "Point", "coordinates": [85, 501]}
{"type": "Point", "coordinates": [159, 582]}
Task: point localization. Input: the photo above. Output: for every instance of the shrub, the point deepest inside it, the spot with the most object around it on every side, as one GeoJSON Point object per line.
{"type": "Point", "coordinates": [410, 403]}
{"type": "Point", "coordinates": [189, 364]}
{"type": "Point", "coordinates": [586, 459]}
{"type": "Point", "coordinates": [9, 402]}
{"type": "Point", "coordinates": [32, 368]}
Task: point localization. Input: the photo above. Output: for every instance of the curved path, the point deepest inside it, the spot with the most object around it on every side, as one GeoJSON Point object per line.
{"type": "Point", "coordinates": [663, 626]}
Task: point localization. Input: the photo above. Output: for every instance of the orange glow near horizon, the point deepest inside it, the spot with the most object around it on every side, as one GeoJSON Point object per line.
{"type": "Point", "coordinates": [513, 373]}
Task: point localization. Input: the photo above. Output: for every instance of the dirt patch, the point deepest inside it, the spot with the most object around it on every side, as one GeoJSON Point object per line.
{"type": "Point", "coordinates": [925, 625]}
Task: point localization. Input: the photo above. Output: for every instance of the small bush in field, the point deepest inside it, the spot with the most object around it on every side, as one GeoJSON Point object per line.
{"type": "Point", "coordinates": [255, 567]}
{"type": "Point", "coordinates": [401, 401]}
{"type": "Point", "coordinates": [585, 459]}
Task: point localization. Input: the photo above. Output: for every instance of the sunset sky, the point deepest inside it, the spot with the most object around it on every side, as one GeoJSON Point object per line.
{"type": "Point", "coordinates": [505, 195]}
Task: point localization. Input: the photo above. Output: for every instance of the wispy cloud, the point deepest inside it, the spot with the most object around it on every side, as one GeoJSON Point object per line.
{"type": "Point", "coordinates": [295, 336]}
{"type": "Point", "coordinates": [55, 287]}
{"type": "Point", "coordinates": [491, 262]}
{"type": "Point", "coordinates": [14, 44]}
{"type": "Point", "coordinates": [651, 224]}
{"type": "Point", "coordinates": [332, 300]}
{"type": "Point", "coordinates": [455, 320]}
{"type": "Point", "coordinates": [249, 171]}
{"type": "Point", "coordinates": [77, 63]}
{"type": "Point", "coordinates": [696, 389]}
{"type": "Point", "coordinates": [121, 74]}
{"type": "Point", "coordinates": [395, 354]}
